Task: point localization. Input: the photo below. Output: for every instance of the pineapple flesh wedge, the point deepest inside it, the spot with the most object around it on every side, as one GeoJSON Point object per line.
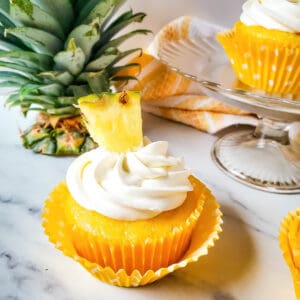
{"type": "Point", "coordinates": [114, 120]}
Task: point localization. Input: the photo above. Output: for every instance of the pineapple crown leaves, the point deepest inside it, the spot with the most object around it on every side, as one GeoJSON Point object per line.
{"type": "Point", "coordinates": [53, 52]}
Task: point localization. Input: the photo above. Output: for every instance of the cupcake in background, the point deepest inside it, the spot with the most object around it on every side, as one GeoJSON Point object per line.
{"type": "Point", "coordinates": [264, 46]}
{"type": "Point", "coordinates": [289, 238]}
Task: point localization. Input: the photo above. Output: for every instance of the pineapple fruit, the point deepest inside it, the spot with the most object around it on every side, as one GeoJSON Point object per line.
{"type": "Point", "coordinates": [52, 53]}
{"type": "Point", "coordinates": [114, 120]}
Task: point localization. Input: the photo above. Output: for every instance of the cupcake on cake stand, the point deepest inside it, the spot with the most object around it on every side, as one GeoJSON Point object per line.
{"type": "Point", "coordinates": [266, 158]}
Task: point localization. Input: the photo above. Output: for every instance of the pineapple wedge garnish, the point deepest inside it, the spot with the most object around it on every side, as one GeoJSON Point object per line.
{"type": "Point", "coordinates": [114, 120]}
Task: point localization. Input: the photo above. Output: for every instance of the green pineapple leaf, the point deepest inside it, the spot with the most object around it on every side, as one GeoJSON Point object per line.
{"type": "Point", "coordinates": [79, 90]}
{"type": "Point", "coordinates": [124, 78]}
{"type": "Point", "coordinates": [35, 61]}
{"type": "Point", "coordinates": [9, 84]}
{"type": "Point", "coordinates": [98, 81]}
{"type": "Point", "coordinates": [8, 38]}
{"type": "Point", "coordinates": [36, 18]}
{"type": "Point", "coordinates": [18, 70]}
{"type": "Point", "coordinates": [118, 41]}
{"type": "Point", "coordinates": [45, 101]}
{"type": "Point", "coordinates": [69, 111]}
{"type": "Point", "coordinates": [6, 46]}
{"type": "Point", "coordinates": [4, 5]}
{"type": "Point", "coordinates": [13, 77]}
{"type": "Point", "coordinates": [115, 70]}
{"type": "Point", "coordinates": [106, 59]}
{"type": "Point", "coordinates": [37, 40]}
{"type": "Point", "coordinates": [67, 101]}
{"type": "Point", "coordinates": [71, 60]}
{"type": "Point", "coordinates": [63, 77]}
{"type": "Point", "coordinates": [127, 53]}
{"type": "Point", "coordinates": [53, 89]}
{"type": "Point", "coordinates": [12, 100]}
{"type": "Point", "coordinates": [96, 9]}
{"type": "Point", "coordinates": [60, 10]}
{"type": "Point", "coordinates": [120, 23]}
{"type": "Point", "coordinates": [85, 37]}
{"type": "Point", "coordinates": [7, 20]}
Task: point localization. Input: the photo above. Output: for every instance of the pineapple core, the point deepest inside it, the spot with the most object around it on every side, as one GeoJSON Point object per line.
{"type": "Point", "coordinates": [114, 120]}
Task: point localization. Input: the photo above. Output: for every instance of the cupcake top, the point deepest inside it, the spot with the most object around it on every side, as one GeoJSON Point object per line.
{"type": "Point", "coordinates": [283, 15]}
{"type": "Point", "coordinates": [129, 186]}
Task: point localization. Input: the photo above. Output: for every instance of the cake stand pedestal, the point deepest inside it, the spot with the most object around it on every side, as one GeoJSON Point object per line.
{"type": "Point", "coordinates": [267, 158]}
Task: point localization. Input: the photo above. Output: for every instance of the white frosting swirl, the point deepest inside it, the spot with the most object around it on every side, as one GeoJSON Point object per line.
{"type": "Point", "coordinates": [283, 15]}
{"type": "Point", "coordinates": [130, 186]}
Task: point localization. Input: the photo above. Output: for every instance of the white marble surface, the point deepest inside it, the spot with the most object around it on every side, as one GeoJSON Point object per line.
{"type": "Point", "coordinates": [245, 264]}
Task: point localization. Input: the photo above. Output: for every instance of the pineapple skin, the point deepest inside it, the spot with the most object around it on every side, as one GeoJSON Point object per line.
{"type": "Point", "coordinates": [114, 120]}
{"type": "Point", "coordinates": [67, 137]}
{"type": "Point", "coordinates": [54, 52]}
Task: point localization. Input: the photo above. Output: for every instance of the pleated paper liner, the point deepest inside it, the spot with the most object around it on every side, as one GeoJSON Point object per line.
{"type": "Point", "coordinates": [151, 255]}
{"type": "Point", "coordinates": [289, 239]}
{"type": "Point", "coordinates": [204, 236]}
{"type": "Point", "coordinates": [263, 64]}
{"type": "Point", "coordinates": [127, 245]}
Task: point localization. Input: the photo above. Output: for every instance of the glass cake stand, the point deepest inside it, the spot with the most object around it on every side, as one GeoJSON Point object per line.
{"type": "Point", "coordinates": [266, 158]}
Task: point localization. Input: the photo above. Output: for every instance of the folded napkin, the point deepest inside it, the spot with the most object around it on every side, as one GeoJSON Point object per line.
{"type": "Point", "coordinates": [167, 94]}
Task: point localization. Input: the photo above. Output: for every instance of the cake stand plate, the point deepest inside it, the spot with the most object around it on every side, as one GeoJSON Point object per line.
{"type": "Point", "coordinates": [267, 158]}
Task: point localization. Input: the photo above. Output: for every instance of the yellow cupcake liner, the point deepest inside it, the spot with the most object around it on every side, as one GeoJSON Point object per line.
{"type": "Point", "coordinates": [205, 233]}
{"type": "Point", "coordinates": [142, 254]}
{"type": "Point", "coordinates": [289, 239]}
{"type": "Point", "coordinates": [263, 63]}
{"type": "Point", "coordinates": [151, 255]}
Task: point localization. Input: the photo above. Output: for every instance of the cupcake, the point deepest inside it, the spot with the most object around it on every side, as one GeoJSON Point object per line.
{"type": "Point", "coordinates": [264, 46]}
{"type": "Point", "coordinates": [130, 207]}
{"type": "Point", "coordinates": [132, 211]}
{"type": "Point", "coordinates": [289, 238]}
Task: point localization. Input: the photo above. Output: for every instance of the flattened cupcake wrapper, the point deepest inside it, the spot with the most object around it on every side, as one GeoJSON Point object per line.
{"type": "Point", "coordinates": [289, 238]}
{"type": "Point", "coordinates": [266, 65]}
{"type": "Point", "coordinates": [205, 233]}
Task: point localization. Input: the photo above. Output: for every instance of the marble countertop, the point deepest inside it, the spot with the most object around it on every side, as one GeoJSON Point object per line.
{"type": "Point", "coordinates": [245, 264]}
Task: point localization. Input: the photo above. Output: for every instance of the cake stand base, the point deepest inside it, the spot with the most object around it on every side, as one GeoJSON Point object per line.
{"type": "Point", "coordinates": [263, 159]}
